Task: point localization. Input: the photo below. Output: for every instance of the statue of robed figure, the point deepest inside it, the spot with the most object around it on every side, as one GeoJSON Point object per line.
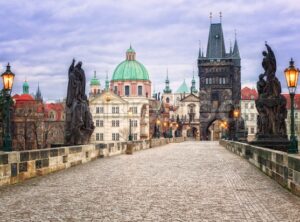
{"type": "Point", "coordinates": [79, 124]}
{"type": "Point", "coordinates": [271, 106]}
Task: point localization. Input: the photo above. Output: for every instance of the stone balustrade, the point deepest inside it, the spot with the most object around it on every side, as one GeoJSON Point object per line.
{"type": "Point", "coordinates": [21, 165]}
{"type": "Point", "coordinates": [280, 166]}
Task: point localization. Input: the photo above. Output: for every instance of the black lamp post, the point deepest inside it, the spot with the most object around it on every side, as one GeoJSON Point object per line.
{"type": "Point", "coordinates": [157, 131]}
{"type": "Point", "coordinates": [291, 75]}
{"type": "Point", "coordinates": [8, 79]}
{"type": "Point", "coordinates": [236, 114]}
{"type": "Point", "coordinates": [130, 134]}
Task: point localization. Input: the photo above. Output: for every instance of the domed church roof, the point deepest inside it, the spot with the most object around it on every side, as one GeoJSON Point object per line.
{"type": "Point", "coordinates": [130, 69]}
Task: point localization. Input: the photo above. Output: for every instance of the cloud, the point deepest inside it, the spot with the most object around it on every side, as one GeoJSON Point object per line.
{"type": "Point", "coordinates": [41, 38]}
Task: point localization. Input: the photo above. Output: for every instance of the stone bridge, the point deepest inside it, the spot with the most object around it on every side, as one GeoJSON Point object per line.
{"type": "Point", "coordinates": [189, 181]}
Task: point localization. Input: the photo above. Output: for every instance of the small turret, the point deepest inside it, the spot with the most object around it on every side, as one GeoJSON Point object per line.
{"type": "Point", "coordinates": [25, 87]}
{"type": "Point", "coordinates": [130, 54]}
{"type": "Point", "coordinates": [236, 53]}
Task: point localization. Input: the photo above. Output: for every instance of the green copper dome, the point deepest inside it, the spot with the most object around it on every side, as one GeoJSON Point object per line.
{"type": "Point", "coordinates": [25, 84]}
{"type": "Point", "coordinates": [183, 88]}
{"type": "Point", "coordinates": [95, 81]}
{"type": "Point", "coordinates": [130, 69]}
{"type": "Point", "coordinates": [25, 87]}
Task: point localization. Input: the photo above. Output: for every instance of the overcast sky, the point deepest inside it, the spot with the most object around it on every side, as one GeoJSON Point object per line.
{"type": "Point", "coordinates": [40, 38]}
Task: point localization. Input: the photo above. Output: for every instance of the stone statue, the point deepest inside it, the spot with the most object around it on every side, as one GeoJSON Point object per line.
{"type": "Point", "coordinates": [271, 106]}
{"type": "Point", "coordinates": [79, 124]}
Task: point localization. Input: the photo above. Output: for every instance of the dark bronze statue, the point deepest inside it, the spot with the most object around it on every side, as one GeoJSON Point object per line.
{"type": "Point", "coordinates": [79, 123]}
{"type": "Point", "coordinates": [271, 106]}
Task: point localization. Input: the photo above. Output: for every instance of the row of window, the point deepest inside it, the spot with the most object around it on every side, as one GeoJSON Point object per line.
{"type": "Point", "coordinates": [216, 80]}
{"type": "Point", "coordinates": [134, 123]}
{"type": "Point", "coordinates": [115, 123]}
{"type": "Point", "coordinates": [114, 136]}
{"type": "Point", "coordinates": [133, 109]}
{"type": "Point", "coordinates": [127, 90]}
{"type": "Point", "coordinates": [247, 105]}
{"type": "Point", "coordinates": [252, 117]}
{"type": "Point", "coordinates": [216, 70]}
{"type": "Point", "coordinates": [116, 109]}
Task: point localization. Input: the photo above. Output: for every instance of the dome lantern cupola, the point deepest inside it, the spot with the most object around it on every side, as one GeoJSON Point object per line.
{"type": "Point", "coordinates": [130, 54]}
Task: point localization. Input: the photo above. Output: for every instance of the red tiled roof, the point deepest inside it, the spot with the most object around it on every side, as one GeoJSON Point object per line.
{"type": "Point", "coordinates": [248, 94]}
{"type": "Point", "coordinates": [23, 97]}
{"type": "Point", "coordinates": [297, 101]}
{"type": "Point", "coordinates": [58, 108]}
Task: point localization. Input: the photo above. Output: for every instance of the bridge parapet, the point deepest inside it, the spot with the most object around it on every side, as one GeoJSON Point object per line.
{"type": "Point", "coordinates": [21, 165]}
{"type": "Point", "coordinates": [280, 166]}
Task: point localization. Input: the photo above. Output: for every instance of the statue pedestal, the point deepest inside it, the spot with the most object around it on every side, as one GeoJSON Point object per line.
{"type": "Point", "coordinates": [272, 141]}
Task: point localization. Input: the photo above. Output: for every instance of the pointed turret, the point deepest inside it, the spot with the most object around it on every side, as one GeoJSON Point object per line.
{"type": "Point", "coordinates": [216, 45]}
{"type": "Point", "coordinates": [38, 95]}
{"type": "Point", "coordinates": [167, 87]}
{"type": "Point", "coordinates": [236, 53]}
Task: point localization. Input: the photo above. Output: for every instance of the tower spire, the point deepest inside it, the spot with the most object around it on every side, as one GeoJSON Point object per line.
{"type": "Point", "coordinates": [193, 88]}
{"type": "Point", "coordinates": [106, 82]}
{"type": "Point", "coordinates": [167, 84]}
{"type": "Point", "coordinates": [215, 46]}
{"type": "Point", "coordinates": [210, 17]}
{"type": "Point", "coordinates": [38, 95]}
{"type": "Point", "coordinates": [220, 17]}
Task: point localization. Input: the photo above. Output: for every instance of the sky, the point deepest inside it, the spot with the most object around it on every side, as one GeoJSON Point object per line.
{"type": "Point", "coordinates": [40, 38]}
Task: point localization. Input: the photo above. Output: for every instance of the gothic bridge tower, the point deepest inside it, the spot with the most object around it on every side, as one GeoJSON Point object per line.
{"type": "Point", "coordinates": [220, 80]}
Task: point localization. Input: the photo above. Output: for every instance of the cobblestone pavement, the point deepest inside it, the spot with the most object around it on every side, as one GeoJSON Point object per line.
{"type": "Point", "coordinates": [190, 181]}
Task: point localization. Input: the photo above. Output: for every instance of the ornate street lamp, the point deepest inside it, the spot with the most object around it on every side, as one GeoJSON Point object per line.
{"type": "Point", "coordinates": [157, 132]}
{"type": "Point", "coordinates": [130, 115]}
{"type": "Point", "coordinates": [236, 115]}
{"type": "Point", "coordinates": [165, 129]}
{"type": "Point", "coordinates": [291, 75]}
{"type": "Point", "coordinates": [8, 80]}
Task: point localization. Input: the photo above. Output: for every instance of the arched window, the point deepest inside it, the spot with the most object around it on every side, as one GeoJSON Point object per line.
{"type": "Point", "coordinates": [167, 99]}
{"type": "Point", "coordinates": [140, 90]}
{"type": "Point", "coordinates": [127, 90]}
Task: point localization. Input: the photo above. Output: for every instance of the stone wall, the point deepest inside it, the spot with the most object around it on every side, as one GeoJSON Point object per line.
{"type": "Point", "coordinates": [18, 166]}
{"type": "Point", "coordinates": [280, 166]}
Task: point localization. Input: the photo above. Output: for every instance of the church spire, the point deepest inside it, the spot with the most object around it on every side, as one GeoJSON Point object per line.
{"type": "Point", "coordinates": [167, 82]}
{"type": "Point", "coordinates": [193, 88]}
{"type": "Point", "coordinates": [106, 83]}
{"type": "Point", "coordinates": [38, 95]}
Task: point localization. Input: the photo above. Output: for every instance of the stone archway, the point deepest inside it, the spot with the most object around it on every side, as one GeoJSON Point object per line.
{"type": "Point", "coordinates": [214, 130]}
